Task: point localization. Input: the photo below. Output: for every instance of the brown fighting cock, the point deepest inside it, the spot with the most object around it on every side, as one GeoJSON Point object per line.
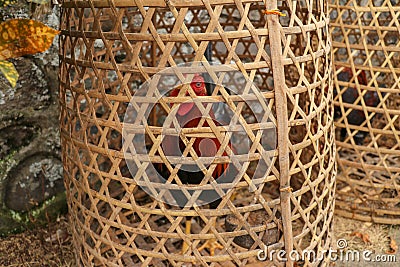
{"type": "Point", "coordinates": [350, 95]}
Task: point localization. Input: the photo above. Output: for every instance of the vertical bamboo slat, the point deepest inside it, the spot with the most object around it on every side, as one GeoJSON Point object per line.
{"type": "Point", "coordinates": [282, 125]}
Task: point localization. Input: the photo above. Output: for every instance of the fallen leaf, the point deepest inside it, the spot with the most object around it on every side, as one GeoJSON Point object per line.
{"type": "Point", "coordinates": [19, 37]}
{"type": "Point", "coordinates": [363, 237]}
{"type": "Point", "coordinates": [367, 224]}
{"type": "Point", "coordinates": [60, 236]}
{"type": "Point", "coordinates": [393, 246]}
{"type": "Point", "coordinates": [345, 189]}
{"type": "Point", "coordinates": [298, 264]}
{"type": "Point", "coordinates": [9, 71]}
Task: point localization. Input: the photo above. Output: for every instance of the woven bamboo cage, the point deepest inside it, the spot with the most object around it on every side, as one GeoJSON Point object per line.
{"type": "Point", "coordinates": [110, 49]}
{"type": "Point", "coordinates": [366, 41]}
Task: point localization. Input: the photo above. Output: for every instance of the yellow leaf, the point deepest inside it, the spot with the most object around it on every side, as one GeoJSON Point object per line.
{"type": "Point", "coordinates": [9, 71]}
{"type": "Point", "coordinates": [19, 37]}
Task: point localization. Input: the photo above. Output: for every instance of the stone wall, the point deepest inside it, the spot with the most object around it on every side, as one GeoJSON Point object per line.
{"type": "Point", "coordinates": [31, 185]}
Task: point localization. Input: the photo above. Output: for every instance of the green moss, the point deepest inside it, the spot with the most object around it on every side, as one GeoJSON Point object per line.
{"type": "Point", "coordinates": [50, 208]}
{"type": "Point", "coordinates": [14, 222]}
{"type": "Point", "coordinates": [6, 164]}
{"type": "Point", "coordinates": [8, 225]}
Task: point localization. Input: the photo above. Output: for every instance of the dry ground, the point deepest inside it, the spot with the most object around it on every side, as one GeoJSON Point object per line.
{"type": "Point", "coordinates": [51, 245]}
{"type": "Point", "coordinates": [48, 246]}
{"type": "Point", "coordinates": [381, 240]}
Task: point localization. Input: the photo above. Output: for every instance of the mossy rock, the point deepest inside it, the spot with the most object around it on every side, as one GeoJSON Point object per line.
{"type": "Point", "coordinates": [31, 180]}
{"type": "Point", "coordinates": [13, 222]}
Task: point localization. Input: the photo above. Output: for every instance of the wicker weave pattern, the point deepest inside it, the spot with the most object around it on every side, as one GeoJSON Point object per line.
{"type": "Point", "coordinates": [366, 38]}
{"type": "Point", "coordinates": [109, 48]}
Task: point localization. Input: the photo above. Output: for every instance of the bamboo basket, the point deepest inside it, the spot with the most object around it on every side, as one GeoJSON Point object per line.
{"type": "Point", "coordinates": [366, 40]}
{"type": "Point", "coordinates": [110, 49]}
